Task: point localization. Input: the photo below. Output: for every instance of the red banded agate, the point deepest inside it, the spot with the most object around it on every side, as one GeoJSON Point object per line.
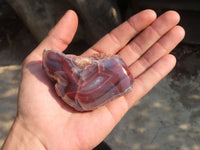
{"type": "Point", "coordinates": [87, 83]}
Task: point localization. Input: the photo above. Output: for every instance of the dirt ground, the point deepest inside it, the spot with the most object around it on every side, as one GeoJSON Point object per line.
{"type": "Point", "coordinates": [167, 118]}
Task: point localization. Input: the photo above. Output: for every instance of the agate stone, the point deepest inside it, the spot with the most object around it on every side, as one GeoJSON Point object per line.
{"type": "Point", "coordinates": [87, 83]}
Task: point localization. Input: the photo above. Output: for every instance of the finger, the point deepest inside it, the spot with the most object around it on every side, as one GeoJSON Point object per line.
{"type": "Point", "coordinates": [61, 35]}
{"type": "Point", "coordinates": [120, 36]}
{"type": "Point", "coordinates": [149, 36]}
{"type": "Point", "coordinates": [146, 81]}
{"type": "Point", "coordinates": [143, 84]}
{"type": "Point", "coordinates": [164, 46]}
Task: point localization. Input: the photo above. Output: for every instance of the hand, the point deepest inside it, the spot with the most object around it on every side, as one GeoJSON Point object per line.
{"type": "Point", "coordinates": [45, 122]}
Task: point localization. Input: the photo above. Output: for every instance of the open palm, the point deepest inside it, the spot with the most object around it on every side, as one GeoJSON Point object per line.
{"type": "Point", "coordinates": [58, 126]}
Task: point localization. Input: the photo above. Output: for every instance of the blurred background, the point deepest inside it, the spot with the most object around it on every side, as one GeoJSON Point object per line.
{"type": "Point", "coordinates": [167, 118]}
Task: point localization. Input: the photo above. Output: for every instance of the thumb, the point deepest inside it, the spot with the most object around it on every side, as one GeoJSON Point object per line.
{"type": "Point", "coordinates": [61, 35]}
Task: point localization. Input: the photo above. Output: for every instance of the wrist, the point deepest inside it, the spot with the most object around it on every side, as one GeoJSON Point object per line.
{"type": "Point", "coordinates": [19, 138]}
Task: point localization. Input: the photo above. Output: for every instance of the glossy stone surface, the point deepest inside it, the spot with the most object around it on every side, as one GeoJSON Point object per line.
{"type": "Point", "coordinates": [87, 83]}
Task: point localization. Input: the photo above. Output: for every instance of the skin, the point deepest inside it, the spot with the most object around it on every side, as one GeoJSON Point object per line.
{"type": "Point", "coordinates": [43, 121]}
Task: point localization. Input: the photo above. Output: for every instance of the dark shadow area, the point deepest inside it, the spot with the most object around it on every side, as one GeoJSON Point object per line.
{"type": "Point", "coordinates": [16, 41]}
{"type": "Point", "coordinates": [189, 11]}
{"type": "Point", "coordinates": [102, 146]}
{"type": "Point", "coordinates": [188, 61]}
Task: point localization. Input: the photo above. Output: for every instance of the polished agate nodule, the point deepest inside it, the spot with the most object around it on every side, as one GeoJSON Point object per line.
{"type": "Point", "coordinates": [87, 83]}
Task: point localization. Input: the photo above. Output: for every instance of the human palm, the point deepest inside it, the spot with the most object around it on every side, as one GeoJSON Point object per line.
{"type": "Point", "coordinates": [58, 126]}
